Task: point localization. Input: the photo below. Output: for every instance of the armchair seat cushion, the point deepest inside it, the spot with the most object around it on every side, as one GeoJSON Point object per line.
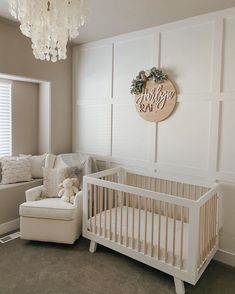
{"type": "Point", "coordinates": [49, 208]}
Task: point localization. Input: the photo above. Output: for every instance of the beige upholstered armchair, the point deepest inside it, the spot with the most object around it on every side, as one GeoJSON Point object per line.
{"type": "Point", "coordinates": [51, 219]}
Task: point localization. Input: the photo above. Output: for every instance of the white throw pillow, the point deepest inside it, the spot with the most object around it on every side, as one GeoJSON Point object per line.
{"type": "Point", "coordinates": [15, 170]}
{"type": "Point", "coordinates": [52, 177]}
{"type": "Point", "coordinates": [37, 164]}
{"type": "Point", "coordinates": [50, 160]}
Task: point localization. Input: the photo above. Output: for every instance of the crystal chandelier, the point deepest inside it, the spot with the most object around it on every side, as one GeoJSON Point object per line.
{"type": "Point", "coordinates": [49, 24]}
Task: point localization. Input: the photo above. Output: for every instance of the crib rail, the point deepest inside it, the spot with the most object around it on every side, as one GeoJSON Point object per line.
{"type": "Point", "coordinates": [208, 229]}
{"type": "Point", "coordinates": [172, 223]}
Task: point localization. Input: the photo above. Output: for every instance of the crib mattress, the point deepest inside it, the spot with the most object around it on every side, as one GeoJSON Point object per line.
{"type": "Point", "coordinates": [169, 250]}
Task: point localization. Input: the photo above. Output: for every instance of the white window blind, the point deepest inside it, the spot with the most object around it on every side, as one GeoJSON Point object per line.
{"type": "Point", "coordinates": [5, 118]}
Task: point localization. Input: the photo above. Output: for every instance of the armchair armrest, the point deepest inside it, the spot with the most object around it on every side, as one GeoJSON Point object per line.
{"type": "Point", "coordinates": [78, 199]}
{"type": "Point", "coordinates": [33, 194]}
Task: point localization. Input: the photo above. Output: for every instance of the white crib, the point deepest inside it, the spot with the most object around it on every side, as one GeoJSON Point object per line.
{"type": "Point", "coordinates": [169, 225]}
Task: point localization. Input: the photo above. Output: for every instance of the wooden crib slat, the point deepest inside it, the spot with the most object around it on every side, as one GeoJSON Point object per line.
{"type": "Point", "coordinates": [127, 220]}
{"type": "Point", "coordinates": [171, 205]}
{"type": "Point", "coordinates": [174, 229]}
{"type": "Point", "coordinates": [115, 218]}
{"type": "Point", "coordinates": [166, 232]}
{"type": "Point", "coordinates": [110, 192]}
{"type": "Point", "coordinates": [212, 221]}
{"type": "Point", "coordinates": [200, 239]}
{"type": "Point", "coordinates": [209, 226]}
{"type": "Point", "coordinates": [156, 185]}
{"type": "Point", "coordinates": [165, 186]}
{"type": "Point", "coordinates": [100, 194]}
{"type": "Point", "coordinates": [194, 192]}
{"type": "Point", "coordinates": [152, 227]}
{"type": "Point", "coordinates": [202, 230]}
{"type": "Point", "coordinates": [206, 230]}
{"type": "Point", "coordinates": [133, 220]}
{"type": "Point", "coordinates": [181, 236]}
{"type": "Point", "coordinates": [95, 211]}
{"type": "Point", "coordinates": [200, 192]}
{"type": "Point", "coordinates": [132, 205]}
{"type": "Point", "coordinates": [143, 182]}
{"type": "Point", "coordinates": [203, 233]}
{"type": "Point", "coordinates": [105, 211]}
{"type": "Point", "coordinates": [202, 224]}
{"type": "Point", "coordinates": [139, 222]}
{"type": "Point", "coordinates": [90, 206]}
{"type": "Point", "coordinates": [215, 218]}
{"type": "Point", "coordinates": [159, 231]}
{"type": "Point", "coordinates": [145, 227]}
{"type": "Point", "coordinates": [121, 216]}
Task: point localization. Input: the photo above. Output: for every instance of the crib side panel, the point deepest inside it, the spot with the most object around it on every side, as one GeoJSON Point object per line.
{"type": "Point", "coordinates": [154, 228]}
{"type": "Point", "coordinates": [208, 229]}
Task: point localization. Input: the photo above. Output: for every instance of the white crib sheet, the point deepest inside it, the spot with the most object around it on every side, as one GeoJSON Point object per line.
{"type": "Point", "coordinates": [100, 223]}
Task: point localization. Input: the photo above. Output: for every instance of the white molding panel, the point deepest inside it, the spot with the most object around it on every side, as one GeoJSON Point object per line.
{"type": "Point", "coordinates": [186, 55]}
{"type": "Point", "coordinates": [198, 140]}
{"type": "Point", "coordinates": [132, 54]}
{"type": "Point", "coordinates": [197, 54]}
{"type": "Point", "coordinates": [93, 129]}
{"type": "Point", "coordinates": [187, 128]}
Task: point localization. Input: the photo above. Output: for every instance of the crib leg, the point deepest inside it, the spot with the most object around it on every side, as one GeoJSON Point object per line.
{"type": "Point", "coordinates": [93, 246]}
{"type": "Point", "coordinates": [179, 286]}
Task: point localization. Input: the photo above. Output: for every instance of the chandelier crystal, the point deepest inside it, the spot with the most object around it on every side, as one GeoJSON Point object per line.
{"type": "Point", "coordinates": [49, 24]}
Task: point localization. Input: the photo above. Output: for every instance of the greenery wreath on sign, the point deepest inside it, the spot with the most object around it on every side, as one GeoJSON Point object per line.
{"type": "Point", "coordinates": [139, 82]}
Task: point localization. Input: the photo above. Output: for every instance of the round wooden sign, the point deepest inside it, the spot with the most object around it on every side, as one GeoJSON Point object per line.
{"type": "Point", "coordinates": [157, 100]}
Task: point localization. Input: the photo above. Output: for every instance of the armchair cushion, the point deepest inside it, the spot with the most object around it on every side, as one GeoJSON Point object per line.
{"type": "Point", "coordinates": [50, 208]}
{"type": "Point", "coordinates": [34, 194]}
{"type": "Point", "coordinates": [78, 199]}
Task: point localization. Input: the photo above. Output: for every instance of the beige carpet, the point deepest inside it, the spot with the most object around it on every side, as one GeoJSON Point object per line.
{"type": "Point", "coordinates": [46, 268]}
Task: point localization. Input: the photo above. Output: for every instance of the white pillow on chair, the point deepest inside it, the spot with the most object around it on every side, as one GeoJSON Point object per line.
{"type": "Point", "coordinates": [37, 164]}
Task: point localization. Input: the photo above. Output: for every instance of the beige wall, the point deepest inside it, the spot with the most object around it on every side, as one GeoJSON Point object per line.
{"type": "Point", "coordinates": [24, 118]}
{"type": "Point", "coordinates": [10, 199]}
{"type": "Point", "coordinates": [16, 58]}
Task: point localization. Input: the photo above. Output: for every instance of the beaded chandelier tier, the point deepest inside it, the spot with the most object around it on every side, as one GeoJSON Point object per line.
{"type": "Point", "coordinates": [49, 24]}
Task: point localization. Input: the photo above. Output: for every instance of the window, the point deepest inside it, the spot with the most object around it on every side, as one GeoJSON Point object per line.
{"type": "Point", "coordinates": [5, 118]}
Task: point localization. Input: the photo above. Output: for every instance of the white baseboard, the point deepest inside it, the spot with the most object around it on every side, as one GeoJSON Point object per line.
{"type": "Point", "coordinates": [9, 226]}
{"type": "Point", "coordinates": [225, 257]}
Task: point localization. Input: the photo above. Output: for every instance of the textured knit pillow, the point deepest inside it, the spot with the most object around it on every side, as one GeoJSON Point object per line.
{"type": "Point", "coordinates": [37, 164]}
{"type": "Point", "coordinates": [52, 177]}
{"type": "Point", "coordinates": [15, 170]}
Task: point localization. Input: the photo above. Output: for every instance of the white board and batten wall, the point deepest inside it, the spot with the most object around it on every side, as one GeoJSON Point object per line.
{"type": "Point", "coordinates": [198, 139]}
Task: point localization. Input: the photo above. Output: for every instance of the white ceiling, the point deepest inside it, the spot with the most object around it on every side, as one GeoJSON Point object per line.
{"type": "Point", "coordinates": [113, 17]}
